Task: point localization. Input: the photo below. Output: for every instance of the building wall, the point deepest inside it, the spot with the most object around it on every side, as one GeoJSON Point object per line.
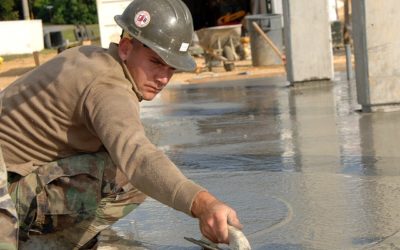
{"type": "Point", "coordinates": [21, 37]}
{"type": "Point", "coordinates": [106, 10]}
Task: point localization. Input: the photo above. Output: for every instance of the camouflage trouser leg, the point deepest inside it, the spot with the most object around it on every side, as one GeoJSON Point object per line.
{"type": "Point", "coordinates": [110, 210]}
{"type": "Point", "coordinates": [8, 215]}
{"type": "Point", "coordinates": [77, 197]}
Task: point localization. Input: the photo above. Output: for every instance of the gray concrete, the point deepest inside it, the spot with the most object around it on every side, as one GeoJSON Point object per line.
{"type": "Point", "coordinates": [300, 175]}
{"type": "Point", "coordinates": [307, 37]}
{"type": "Point", "coordinates": [376, 43]}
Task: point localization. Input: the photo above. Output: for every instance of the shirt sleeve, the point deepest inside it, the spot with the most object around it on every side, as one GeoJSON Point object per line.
{"type": "Point", "coordinates": [112, 113]}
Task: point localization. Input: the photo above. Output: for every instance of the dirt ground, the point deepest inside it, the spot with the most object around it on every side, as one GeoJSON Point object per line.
{"type": "Point", "coordinates": [11, 69]}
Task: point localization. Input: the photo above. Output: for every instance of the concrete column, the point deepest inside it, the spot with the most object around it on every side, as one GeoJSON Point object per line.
{"type": "Point", "coordinates": [377, 52]}
{"type": "Point", "coordinates": [258, 6]}
{"type": "Point", "coordinates": [277, 6]}
{"type": "Point", "coordinates": [307, 36]}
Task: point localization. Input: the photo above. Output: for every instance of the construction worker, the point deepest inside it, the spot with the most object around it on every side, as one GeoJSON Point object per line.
{"type": "Point", "coordinates": [75, 152]}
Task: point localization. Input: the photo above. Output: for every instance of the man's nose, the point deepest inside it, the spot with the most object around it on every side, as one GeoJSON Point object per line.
{"type": "Point", "coordinates": [163, 79]}
{"type": "Point", "coordinates": [164, 75]}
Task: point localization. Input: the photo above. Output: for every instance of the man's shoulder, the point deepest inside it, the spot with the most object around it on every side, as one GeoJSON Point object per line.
{"type": "Point", "coordinates": [92, 61]}
{"type": "Point", "coordinates": [89, 54]}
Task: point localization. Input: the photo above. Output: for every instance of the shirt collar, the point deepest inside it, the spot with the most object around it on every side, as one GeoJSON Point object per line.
{"type": "Point", "coordinates": [113, 51]}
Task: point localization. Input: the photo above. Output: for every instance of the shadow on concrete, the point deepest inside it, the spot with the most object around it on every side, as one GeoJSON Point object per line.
{"type": "Point", "coordinates": [16, 72]}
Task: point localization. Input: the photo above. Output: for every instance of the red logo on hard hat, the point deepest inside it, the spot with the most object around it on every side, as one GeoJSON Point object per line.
{"type": "Point", "coordinates": [142, 18]}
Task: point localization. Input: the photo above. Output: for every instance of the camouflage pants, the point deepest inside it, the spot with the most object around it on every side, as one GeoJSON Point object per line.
{"type": "Point", "coordinates": [75, 197]}
{"type": "Point", "coordinates": [8, 215]}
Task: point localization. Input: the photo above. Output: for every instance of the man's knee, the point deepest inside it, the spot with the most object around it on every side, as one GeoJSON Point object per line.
{"type": "Point", "coordinates": [111, 208]}
{"type": "Point", "coordinates": [118, 205]}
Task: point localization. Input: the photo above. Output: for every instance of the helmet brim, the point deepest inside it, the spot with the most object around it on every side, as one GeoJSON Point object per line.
{"type": "Point", "coordinates": [183, 62]}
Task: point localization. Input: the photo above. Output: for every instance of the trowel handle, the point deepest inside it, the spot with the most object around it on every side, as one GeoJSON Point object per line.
{"type": "Point", "coordinates": [237, 240]}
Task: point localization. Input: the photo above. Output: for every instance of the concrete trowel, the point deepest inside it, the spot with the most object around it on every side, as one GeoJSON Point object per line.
{"type": "Point", "coordinates": [237, 241]}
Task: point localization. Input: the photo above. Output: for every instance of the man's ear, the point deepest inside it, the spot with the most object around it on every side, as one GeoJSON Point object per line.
{"type": "Point", "coordinates": [124, 48]}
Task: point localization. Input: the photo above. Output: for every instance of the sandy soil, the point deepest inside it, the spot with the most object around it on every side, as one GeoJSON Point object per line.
{"type": "Point", "coordinates": [10, 70]}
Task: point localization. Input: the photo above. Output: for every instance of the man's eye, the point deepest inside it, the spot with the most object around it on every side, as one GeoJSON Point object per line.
{"type": "Point", "coordinates": [156, 62]}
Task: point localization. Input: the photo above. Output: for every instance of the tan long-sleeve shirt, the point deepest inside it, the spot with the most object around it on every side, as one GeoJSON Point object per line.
{"type": "Point", "coordinates": [79, 101]}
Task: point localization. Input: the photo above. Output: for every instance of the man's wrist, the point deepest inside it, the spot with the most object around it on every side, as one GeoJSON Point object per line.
{"type": "Point", "coordinates": [201, 202]}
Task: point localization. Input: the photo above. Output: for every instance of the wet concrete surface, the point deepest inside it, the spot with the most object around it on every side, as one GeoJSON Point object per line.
{"type": "Point", "coordinates": [301, 165]}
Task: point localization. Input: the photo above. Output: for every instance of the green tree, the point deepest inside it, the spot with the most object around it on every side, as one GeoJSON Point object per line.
{"type": "Point", "coordinates": [42, 9]}
{"type": "Point", "coordinates": [7, 10]}
{"type": "Point", "coordinates": [66, 11]}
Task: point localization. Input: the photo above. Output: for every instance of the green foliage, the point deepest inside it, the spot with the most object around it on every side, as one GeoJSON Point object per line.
{"type": "Point", "coordinates": [66, 11]}
{"type": "Point", "coordinates": [7, 10]}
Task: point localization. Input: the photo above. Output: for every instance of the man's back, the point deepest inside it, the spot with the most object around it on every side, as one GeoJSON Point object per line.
{"type": "Point", "coordinates": [45, 109]}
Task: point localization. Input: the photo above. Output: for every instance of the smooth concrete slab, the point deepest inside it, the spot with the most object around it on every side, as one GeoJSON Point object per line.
{"type": "Point", "coordinates": [307, 37]}
{"type": "Point", "coordinates": [300, 175]}
{"type": "Point", "coordinates": [376, 43]}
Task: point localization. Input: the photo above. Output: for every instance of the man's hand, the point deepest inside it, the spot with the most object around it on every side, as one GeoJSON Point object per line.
{"type": "Point", "coordinates": [214, 217]}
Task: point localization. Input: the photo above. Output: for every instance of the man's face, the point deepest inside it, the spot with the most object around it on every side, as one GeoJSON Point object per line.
{"type": "Point", "coordinates": [150, 73]}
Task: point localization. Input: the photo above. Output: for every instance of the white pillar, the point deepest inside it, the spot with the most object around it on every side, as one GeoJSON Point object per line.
{"type": "Point", "coordinates": [277, 6]}
{"type": "Point", "coordinates": [307, 36]}
{"type": "Point", "coordinates": [377, 52]}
